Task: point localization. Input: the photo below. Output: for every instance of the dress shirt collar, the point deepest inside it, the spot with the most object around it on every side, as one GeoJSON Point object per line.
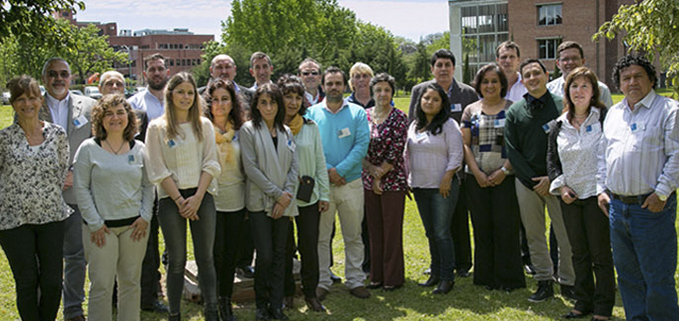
{"type": "Point", "coordinates": [51, 100]}
{"type": "Point", "coordinates": [324, 103]}
{"type": "Point", "coordinates": [536, 102]}
{"type": "Point", "coordinates": [645, 102]}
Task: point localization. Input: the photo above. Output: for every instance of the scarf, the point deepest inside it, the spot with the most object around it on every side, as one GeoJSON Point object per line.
{"type": "Point", "coordinates": [296, 124]}
{"type": "Point", "coordinates": [224, 147]}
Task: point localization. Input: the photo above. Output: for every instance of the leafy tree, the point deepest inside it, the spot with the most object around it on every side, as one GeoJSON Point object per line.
{"type": "Point", "coordinates": [31, 17]}
{"type": "Point", "coordinates": [651, 27]}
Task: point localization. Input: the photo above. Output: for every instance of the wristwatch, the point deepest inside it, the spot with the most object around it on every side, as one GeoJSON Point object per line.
{"type": "Point", "coordinates": [662, 198]}
{"type": "Point", "coordinates": [504, 170]}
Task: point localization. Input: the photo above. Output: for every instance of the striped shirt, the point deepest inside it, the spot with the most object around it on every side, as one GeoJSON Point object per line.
{"type": "Point", "coordinates": [640, 148]}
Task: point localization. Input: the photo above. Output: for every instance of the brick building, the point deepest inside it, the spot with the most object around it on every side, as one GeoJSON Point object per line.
{"type": "Point", "coordinates": [538, 27]}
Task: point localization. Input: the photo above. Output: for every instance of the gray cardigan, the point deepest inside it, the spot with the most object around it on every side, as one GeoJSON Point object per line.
{"type": "Point", "coordinates": [270, 170]}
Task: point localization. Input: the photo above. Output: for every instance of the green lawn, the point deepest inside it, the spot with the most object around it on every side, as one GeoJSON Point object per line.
{"type": "Point", "coordinates": [465, 302]}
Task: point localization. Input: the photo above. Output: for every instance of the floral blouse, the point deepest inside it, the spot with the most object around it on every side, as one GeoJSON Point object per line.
{"type": "Point", "coordinates": [31, 177]}
{"type": "Point", "coordinates": [387, 141]}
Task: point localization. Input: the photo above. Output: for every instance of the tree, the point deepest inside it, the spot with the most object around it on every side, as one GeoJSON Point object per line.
{"type": "Point", "coordinates": [30, 17]}
{"type": "Point", "coordinates": [650, 27]}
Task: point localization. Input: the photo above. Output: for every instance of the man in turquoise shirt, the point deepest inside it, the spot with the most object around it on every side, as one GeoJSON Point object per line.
{"type": "Point", "coordinates": [345, 136]}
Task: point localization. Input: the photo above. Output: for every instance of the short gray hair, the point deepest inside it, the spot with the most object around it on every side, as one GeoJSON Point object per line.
{"type": "Point", "coordinates": [50, 61]}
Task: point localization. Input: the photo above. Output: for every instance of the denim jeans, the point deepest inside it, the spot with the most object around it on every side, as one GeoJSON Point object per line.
{"type": "Point", "coordinates": [436, 215]}
{"type": "Point", "coordinates": [645, 256]}
{"type": "Point", "coordinates": [203, 236]}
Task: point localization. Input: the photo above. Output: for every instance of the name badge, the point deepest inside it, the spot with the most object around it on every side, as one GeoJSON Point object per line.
{"type": "Point", "coordinates": [546, 126]}
{"type": "Point", "coordinates": [80, 121]}
{"type": "Point", "coordinates": [421, 136]}
{"type": "Point", "coordinates": [499, 123]}
{"type": "Point", "coordinates": [344, 133]}
{"type": "Point", "coordinates": [456, 107]}
{"type": "Point", "coordinates": [172, 143]}
{"type": "Point", "coordinates": [594, 128]}
{"type": "Point", "coordinates": [636, 127]}
{"type": "Point", "coordinates": [130, 159]}
{"type": "Point", "coordinates": [291, 145]}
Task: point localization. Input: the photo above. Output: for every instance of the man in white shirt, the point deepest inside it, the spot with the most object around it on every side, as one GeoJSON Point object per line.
{"type": "Point", "coordinates": [636, 181]}
{"type": "Point", "coordinates": [72, 112]}
{"type": "Point", "coordinates": [508, 56]}
{"type": "Point", "coordinates": [151, 99]}
{"type": "Point", "coordinates": [570, 57]}
{"type": "Point", "coordinates": [310, 72]}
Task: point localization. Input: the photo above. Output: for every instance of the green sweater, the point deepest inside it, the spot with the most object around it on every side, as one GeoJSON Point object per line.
{"type": "Point", "coordinates": [526, 137]}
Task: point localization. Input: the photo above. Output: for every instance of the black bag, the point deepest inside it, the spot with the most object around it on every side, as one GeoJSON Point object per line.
{"type": "Point", "coordinates": [306, 188]}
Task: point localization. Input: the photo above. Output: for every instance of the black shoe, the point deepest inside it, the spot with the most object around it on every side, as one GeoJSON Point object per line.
{"type": "Point", "coordinates": [211, 314]}
{"type": "Point", "coordinates": [225, 309]}
{"type": "Point", "coordinates": [463, 274]}
{"type": "Point", "coordinates": [277, 314]}
{"type": "Point", "coordinates": [157, 307]}
{"type": "Point", "coordinates": [573, 315]}
{"type": "Point", "coordinates": [314, 304]}
{"type": "Point", "coordinates": [262, 314]}
{"type": "Point", "coordinates": [390, 288]}
{"type": "Point", "coordinates": [544, 292]}
{"type": "Point", "coordinates": [568, 292]}
{"type": "Point", "coordinates": [444, 287]}
{"type": "Point", "coordinates": [335, 278]}
{"type": "Point", "coordinates": [246, 271]}
{"type": "Point", "coordinates": [433, 280]}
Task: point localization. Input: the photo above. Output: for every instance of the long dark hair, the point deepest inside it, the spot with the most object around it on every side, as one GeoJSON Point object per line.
{"type": "Point", "coordinates": [275, 93]}
{"type": "Point", "coordinates": [236, 115]}
{"type": "Point", "coordinates": [436, 125]}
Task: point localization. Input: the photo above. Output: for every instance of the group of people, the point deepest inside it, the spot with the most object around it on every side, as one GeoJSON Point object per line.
{"type": "Point", "coordinates": [89, 182]}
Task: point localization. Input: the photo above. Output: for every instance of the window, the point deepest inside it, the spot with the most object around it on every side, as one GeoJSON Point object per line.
{"type": "Point", "coordinates": [549, 15]}
{"type": "Point", "coordinates": [547, 48]}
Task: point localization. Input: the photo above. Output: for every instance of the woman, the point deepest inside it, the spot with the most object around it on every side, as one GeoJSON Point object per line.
{"type": "Point", "coordinates": [434, 151]}
{"type": "Point", "coordinates": [311, 168]}
{"type": "Point", "coordinates": [226, 113]}
{"type": "Point", "coordinates": [571, 164]}
{"type": "Point", "coordinates": [495, 211]}
{"type": "Point", "coordinates": [384, 184]}
{"type": "Point", "coordinates": [115, 198]}
{"type": "Point", "coordinates": [182, 161]}
{"type": "Point", "coordinates": [33, 165]}
{"type": "Point", "coordinates": [270, 162]}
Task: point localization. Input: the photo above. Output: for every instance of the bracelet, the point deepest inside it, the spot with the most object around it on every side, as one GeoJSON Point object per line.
{"type": "Point", "coordinates": [178, 197]}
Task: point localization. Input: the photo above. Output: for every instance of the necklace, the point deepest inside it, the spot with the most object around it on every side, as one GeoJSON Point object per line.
{"type": "Point", "coordinates": [111, 147]}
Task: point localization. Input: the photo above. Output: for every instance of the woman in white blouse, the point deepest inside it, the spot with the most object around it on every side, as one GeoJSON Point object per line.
{"type": "Point", "coordinates": [270, 162]}
{"type": "Point", "coordinates": [226, 113]}
{"type": "Point", "coordinates": [182, 160]}
{"type": "Point", "coordinates": [434, 152]}
{"type": "Point", "coordinates": [115, 198]}
{"type": "Point", "coordinates": [572, 165]}
{"type": "Point", "coordinates": [33, 166]}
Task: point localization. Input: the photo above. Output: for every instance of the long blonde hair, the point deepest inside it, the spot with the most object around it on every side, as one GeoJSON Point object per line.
{"type": "Point", "coordinates": [170, 115]}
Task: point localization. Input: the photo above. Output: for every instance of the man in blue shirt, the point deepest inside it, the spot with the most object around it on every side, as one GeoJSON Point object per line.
{"type": "Point", "coordinates": [345, 137]}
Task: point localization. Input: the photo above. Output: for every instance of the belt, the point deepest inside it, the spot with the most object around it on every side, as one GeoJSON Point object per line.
{"type": "Point", "coordinates": [634, 199]}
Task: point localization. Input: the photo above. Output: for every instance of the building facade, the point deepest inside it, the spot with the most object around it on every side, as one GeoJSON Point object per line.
{"type": "Point", "coordinates": [538, 27]}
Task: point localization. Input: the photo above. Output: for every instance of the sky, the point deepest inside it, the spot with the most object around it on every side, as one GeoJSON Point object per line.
{"type": "Point", "coordinates": [407, 18]}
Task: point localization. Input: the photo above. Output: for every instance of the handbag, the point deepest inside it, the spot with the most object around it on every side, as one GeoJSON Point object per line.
{"type": "Point", "coordinates": [306, 188]}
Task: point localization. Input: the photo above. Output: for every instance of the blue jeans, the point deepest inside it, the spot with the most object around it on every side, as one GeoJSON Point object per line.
{"type": "Point", "coordinates": [645, 256]}
{"type": "Point", "coordinates": [436, 215]}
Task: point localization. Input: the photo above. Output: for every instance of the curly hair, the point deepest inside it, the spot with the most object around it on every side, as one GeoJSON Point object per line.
{"type": "Point", "coordinates": [638, 60]}
{"type": "Point", "coordinates": [99, 112]}
{"type": "Point", "coordinates": [292, 84]}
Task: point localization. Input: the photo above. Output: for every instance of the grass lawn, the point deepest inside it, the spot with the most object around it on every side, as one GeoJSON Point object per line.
{"type": "Point", "coordinates": [465, 302]}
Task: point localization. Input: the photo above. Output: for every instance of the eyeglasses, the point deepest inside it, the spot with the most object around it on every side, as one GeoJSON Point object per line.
{"type": "Point", "coordinates": [61, 74]}
{"type": "Point", "coordinates": [310, 73]}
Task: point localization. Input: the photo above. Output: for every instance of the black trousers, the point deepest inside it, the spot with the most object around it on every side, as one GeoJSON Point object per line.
{"type": "Point", "coordinates": [588, 233]}
{"type": "Point", "coordinates": [150, 276]}
{"type": "Point", "coordinates": [496, 220]}
{"type": "Point", "coordinates": [459, 227]}
{"type": "Point", "coordinates": [35, 255]}
{"type": "Point", "coordinates": [228, 236]}
{"type": "Point", "coordinates": [307, 244]}
{"type": "Point", "coordinates": [270, 237]}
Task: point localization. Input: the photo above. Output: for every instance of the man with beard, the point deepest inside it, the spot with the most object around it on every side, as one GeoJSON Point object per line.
{"type": "Point", "coordinates": [71, 112]}
{"type": "Point", "coordinates": [345, 137]}
{"type": "Point", "coordinates": [151, 101]}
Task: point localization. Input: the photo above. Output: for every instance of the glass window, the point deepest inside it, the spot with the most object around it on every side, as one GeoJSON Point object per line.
{"type": "Point", "coordinates": [547, 48]}
{"type": "Point", "coordinates": [549, 15]}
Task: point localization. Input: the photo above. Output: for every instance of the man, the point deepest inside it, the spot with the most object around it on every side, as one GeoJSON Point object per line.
{"type": "Point", "coordinates": [526, 132]}
{"type": "Point", "coordinates": [570, 57]}
{"type": "Point", "coordinates": [260, 69]}
{"type": "Point", "coordinates": [223, 66]}
{"type": "Point", "coordinates": [637, 178]}
{"type": "Point", "coordinates": [359, 83]}
{"type": "Point", "coordinates": [461, 95]}
{"type": "Point", "coordinates": [345, 137]}
{"type": "Point", "coordinates": [508, 56]}
{"type": "Point", "coordinates": [72, 112]}
{"type": "Point", "coordinates": [310, 73]}
{"type": "Point", "coordinates": [151, 102]}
